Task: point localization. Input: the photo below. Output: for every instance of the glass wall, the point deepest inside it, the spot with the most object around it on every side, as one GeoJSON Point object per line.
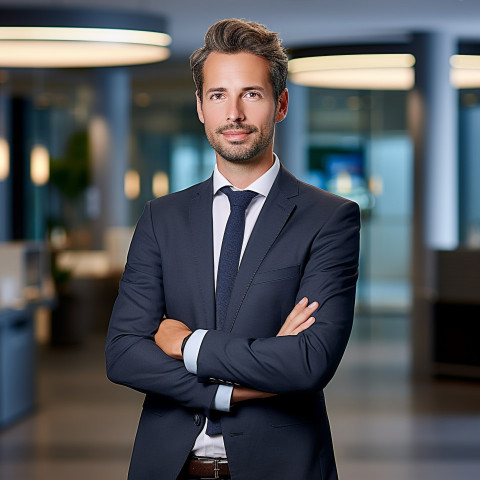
{"type": "Point", "coordinates": [359, 147]}
{"type": "Point", "coordinates": [469, 142]}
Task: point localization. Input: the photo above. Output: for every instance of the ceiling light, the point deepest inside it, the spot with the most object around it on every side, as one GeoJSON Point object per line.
{"type": "Point", "coordinates": [356, 67]}
{"type": "Point", "coordinates": [385, 71]}
{"type": "Point", "coordinates": [465, 72]}
{"type": "Point", "coordinates": [63, 37]}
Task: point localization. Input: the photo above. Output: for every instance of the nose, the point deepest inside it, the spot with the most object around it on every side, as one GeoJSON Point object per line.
{"type": "Point", "coordinates": [235, 111]}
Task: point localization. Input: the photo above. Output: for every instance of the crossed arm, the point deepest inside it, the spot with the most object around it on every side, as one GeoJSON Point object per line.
{"type": "Point", "coordinates": [132, 357]}
{"type": "Point", "coordinates": [282, 364]}
{"type": "Point", "coordinates": [171, 333]}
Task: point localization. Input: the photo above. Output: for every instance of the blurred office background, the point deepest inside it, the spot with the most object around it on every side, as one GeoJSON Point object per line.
{"type": "Point", "coordinates": [82, 149]}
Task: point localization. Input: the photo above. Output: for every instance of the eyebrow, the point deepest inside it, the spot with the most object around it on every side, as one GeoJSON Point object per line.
{"type": "Point", "coordinates": [219, 89]}
{"type": "Point", "coordinates": [244, 89]}
{"type": "Point", "coordinates": [254, 87]}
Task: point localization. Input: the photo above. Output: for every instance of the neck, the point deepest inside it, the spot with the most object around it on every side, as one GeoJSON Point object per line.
{"type": "Point", "coordinates": [241, 175]}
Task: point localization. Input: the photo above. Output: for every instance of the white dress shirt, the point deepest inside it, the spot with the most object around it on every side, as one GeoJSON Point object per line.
{"type": "Point", "coordinates": [213, 446]}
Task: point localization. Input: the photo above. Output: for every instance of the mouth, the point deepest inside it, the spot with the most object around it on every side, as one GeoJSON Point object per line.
{"type": "Point", "coordinates": [236, 134]}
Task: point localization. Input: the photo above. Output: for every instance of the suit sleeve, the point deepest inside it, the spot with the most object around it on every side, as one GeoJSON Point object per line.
{"type": "Point", "coordinates": [307, 361]}
{"type": "Point", "coordinates": [132, 357]}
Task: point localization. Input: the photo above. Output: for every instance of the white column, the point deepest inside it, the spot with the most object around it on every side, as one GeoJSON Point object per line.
{"type": "Point", "coordinates": [433, 121]}
{"type": "Point", "coordinates": [109, 139]}
{"type": "Point", "coordinates": [439, 146]}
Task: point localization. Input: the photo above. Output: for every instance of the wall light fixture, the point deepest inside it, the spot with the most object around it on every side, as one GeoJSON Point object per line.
{"type": "Point", "coordinates": [4, 159]}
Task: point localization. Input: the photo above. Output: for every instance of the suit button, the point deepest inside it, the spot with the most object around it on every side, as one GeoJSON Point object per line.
{"type": "Point", "coordinates": [197, 419]}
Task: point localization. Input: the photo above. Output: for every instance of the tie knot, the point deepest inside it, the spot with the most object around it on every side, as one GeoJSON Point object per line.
{"type": "Point", "coordinates": [239, 198]}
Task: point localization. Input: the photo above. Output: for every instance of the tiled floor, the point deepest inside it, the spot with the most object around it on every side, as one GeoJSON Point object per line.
{"type": "Point", "coordinates": [384, 427]}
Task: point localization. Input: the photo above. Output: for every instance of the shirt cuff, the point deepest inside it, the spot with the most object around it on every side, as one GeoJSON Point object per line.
{"type": "Point", "coordinates": [192, 347]}
{"type": "Point", "coordinates": [223, 398]}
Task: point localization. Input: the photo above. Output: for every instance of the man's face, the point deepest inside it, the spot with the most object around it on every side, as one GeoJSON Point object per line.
{"type": "Point", "coordinates": [238, 108]}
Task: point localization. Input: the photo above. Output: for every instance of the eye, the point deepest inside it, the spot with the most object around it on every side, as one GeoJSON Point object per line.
{"type": "Point", "coordinates": [216, 96]}
{"type": "Point", "coordinates": [253, 94]}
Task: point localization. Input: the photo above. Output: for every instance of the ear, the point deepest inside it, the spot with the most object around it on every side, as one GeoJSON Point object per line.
{"type": "Point", "coordinates": [199, 108]}
{"type": "Point", "coordinates": [282, 106]}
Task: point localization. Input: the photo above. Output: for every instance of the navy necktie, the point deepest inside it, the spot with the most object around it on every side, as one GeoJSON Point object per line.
{"type": "Point", "coordinates": [230, 251]}
{"type": "Point", "coordinates": [228, 264]}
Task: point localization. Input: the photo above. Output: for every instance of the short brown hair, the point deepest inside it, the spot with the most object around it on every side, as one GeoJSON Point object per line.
{"type": "Point", "coordinates": [234, 36]}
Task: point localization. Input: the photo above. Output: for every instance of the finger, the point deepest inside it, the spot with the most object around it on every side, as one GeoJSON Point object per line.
{"type": "Point", "coordinates": [303, 314]}
{"type": "Point", "coordinates": [299, 307]}
{"type": "Point", "coordinates": [294, 322]}
{"type": "Point", "coordinates": [306, 324]}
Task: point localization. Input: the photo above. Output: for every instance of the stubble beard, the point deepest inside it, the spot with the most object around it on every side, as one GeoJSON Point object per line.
{"type": "Point", "coordinates": [240, 152]}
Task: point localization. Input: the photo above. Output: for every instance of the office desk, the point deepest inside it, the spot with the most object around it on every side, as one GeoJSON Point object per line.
{"type": "Point", "coordinates": [17, 363]}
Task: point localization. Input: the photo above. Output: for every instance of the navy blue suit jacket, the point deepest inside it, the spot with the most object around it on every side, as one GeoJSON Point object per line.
{"type": "Point", "coordinates": [304, 244]}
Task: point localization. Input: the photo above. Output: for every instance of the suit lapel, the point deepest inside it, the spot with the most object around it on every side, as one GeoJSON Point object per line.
{"type": "Point", "coordinates": [275, 213]}
{"type": "Point", "coordinates": [201, 224]}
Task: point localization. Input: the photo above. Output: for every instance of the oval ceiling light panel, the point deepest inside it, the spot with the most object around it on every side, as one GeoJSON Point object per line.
{"type": "Point", "coordinates": [357, 71]}
{"type": "Point", "coordinates": [69, 38]}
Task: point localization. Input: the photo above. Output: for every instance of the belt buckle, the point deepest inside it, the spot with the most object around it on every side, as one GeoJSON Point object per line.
{"type": "Point", "coordinates": [216, 468]}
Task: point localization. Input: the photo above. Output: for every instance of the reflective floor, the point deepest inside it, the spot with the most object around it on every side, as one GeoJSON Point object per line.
{"type": "Point", "coordinates": [384, 427]}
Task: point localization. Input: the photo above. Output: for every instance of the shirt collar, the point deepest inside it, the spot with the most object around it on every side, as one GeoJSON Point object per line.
{"type": "Point", "coordinates": [261, 185]}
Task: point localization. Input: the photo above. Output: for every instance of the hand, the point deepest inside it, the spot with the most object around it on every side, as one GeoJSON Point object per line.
{"type": "Point", "coordinates": [297, 321]}
{"type": "Point", "coordinates": [240, 394]}
{"type": "Point", "coordinates": [299, 318]}
{"type": "Point", "coordinates": [170, 335]}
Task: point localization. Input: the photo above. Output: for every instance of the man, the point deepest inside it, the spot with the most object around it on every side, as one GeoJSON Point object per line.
{"type": "Point", "coordinates": [230, 357]}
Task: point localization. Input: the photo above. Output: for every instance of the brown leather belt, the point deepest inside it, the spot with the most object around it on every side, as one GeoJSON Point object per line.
{"type": "Point", "coordinates": [208, 468]}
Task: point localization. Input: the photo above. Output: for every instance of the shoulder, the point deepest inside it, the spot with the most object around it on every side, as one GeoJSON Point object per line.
{"type": "Point", "coordinates": [180, 200]}
{"type": "Point", "coordinates": [323, 208]}
{"type": "Point", "coordinates": [316, 196]}
{"type": "Point", "coordinates": [309, 196]}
